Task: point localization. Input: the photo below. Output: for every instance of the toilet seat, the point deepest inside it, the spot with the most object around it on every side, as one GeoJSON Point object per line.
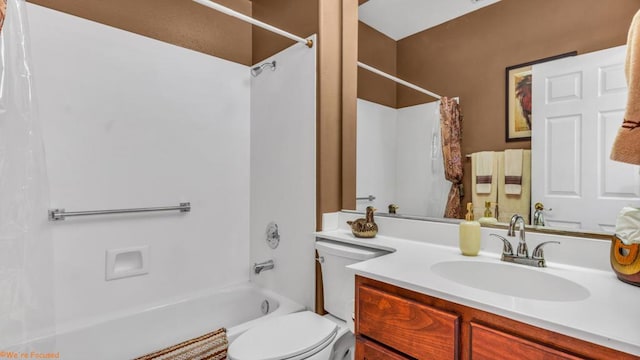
{"type": "Point", "coordinates": [291, 337]}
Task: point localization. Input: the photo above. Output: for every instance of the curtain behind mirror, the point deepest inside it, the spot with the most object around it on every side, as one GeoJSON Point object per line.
{"type": "Point", "coordinates": [451, 127]}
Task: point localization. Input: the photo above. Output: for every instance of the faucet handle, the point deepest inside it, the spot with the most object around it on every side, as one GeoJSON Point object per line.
{"type": "Point", "coordinates": [537, 251]}
{"type": "Point", "coordinates": [506, 245]}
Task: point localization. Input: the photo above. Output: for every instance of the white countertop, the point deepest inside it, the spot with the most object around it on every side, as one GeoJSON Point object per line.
{"type": "Point", "coordinates": [610, 316]}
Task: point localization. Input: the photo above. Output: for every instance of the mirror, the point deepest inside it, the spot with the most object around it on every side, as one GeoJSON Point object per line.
{"type": "Point", "coordinates": [465, 56]}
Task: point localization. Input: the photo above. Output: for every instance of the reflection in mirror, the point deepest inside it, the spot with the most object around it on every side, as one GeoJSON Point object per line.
{"type": "Point", "coordinates": [573, 136]}
{"type": "Point", "coordinates": [399, 159]}
{"type": "Point", "coordinates": [462, 56]}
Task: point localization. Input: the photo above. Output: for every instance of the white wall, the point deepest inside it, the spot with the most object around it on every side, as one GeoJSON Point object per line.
{"type": "Point", "coordinates": [376, 152]}
{"type": "Point", "coordinates": [133, 122]}
{"type": "Point", "coordinates": [400, 158]}
{"type": "Point", "coordinates": [283, 171]}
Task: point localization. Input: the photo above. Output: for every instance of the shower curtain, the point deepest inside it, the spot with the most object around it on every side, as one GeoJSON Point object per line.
{"type": "Point", "coordinates": [438, 186]}
{"type": "Point", "coordinates": [26, 251]}
{"type": "Point", "coordinates": [451, 128]}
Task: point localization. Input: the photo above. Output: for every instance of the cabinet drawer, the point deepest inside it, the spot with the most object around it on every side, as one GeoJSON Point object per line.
{"type": "Point", "coordinates": [367, 350]}
{"type": "Point", "coordinates": [487, 343]}
{"type": "Point", "coordinates": [412, 328]}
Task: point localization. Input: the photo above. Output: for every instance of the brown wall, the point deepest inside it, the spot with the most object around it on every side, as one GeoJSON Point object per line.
{"type": "Point", "coordinates": [380, 51]}
{"type": "Point", "coordinates": [377, 50]}
{"type": "Point", "coordinates": [179, 22]}
{"type": "Point", "coordinates": [467, 57]}
{"type": "Point", "coordinates": [335, 148]}
{"type": "Point", "coordinates": [299, 17]}
{"type": "Point", "coordinates": [349, 88]}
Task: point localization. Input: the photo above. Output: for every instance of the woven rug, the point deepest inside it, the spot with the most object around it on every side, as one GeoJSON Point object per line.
{"type": "Point", "coordinates": [211, 346]}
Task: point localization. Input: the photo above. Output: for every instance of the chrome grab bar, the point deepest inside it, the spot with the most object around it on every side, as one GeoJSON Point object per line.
{"type": "Point", "coordinates": [61, 214]}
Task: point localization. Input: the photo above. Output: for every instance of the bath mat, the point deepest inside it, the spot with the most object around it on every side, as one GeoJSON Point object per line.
{"type": "Point", "coordinates": [211, 346]}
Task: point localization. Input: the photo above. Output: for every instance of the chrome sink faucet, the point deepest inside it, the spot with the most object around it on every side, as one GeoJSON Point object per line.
{"type": "Point", "coordinates": [516, 219]}
{"type": "Point", "coordinates": [522, 253]}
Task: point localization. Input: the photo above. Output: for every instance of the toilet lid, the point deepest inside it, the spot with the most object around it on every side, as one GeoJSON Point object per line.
{"type": "Point", "coordinates": [283, 337]}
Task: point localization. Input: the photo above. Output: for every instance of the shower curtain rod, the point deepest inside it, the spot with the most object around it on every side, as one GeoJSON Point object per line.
{"type": "Point", "coordinates": [399, 81]}
{"type": "Point", "coordinates": [253, 21]}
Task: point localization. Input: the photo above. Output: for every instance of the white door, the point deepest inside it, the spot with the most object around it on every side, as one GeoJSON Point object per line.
{"type": "Point", "coordinates": [578, 106]}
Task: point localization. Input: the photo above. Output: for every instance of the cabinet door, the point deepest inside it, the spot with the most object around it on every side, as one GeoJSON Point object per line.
{"type": "Point", "coordinates": [490, 344]}
{"type": "Point", "coordinates": [368, 350]}
{"type": "Point", "coordinates": [417, 330]}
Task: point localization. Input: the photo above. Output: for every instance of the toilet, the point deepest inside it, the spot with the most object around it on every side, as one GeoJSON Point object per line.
{"type": "Point", "coordinates": [305, 334]}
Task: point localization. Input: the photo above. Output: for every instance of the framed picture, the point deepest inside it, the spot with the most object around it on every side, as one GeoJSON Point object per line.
{"type": "Point", "coordinates": [518, 101]}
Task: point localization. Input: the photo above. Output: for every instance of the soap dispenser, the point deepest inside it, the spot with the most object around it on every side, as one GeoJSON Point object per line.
{"type": "Point", "coordinates": [488, 217]}
{"type": "Point", "coordinates": [469, 241]}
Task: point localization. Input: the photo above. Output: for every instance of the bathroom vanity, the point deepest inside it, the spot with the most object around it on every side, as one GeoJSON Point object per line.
{"type": "Point", "coordinates": [424, 300]}
{"type": "Point", "coordinates": [396, 323]}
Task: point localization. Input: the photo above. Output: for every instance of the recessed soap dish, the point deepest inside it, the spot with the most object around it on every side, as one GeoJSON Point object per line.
{"type": "Point", "coordinates": [127, 262]}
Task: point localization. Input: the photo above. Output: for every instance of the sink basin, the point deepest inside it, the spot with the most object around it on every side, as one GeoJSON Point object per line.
{"type": "Point", "coordinates": [512, 280]}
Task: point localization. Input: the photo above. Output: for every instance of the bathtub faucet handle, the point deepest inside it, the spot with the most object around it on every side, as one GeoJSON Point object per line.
{"type": "Point", "coordinates": [266, 265]}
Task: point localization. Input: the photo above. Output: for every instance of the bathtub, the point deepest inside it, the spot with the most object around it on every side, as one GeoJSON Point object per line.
{"type": "Point", "coordinates": [133, 334]}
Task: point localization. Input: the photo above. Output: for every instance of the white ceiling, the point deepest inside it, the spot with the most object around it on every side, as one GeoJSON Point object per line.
{"type": "Point", "coordinates": [400, 18]}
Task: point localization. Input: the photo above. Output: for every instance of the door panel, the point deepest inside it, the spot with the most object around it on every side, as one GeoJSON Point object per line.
{"type": "Point", "coordinates": [578, 106]}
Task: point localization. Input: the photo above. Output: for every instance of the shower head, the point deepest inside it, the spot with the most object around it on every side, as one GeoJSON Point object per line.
{"type": "Point", "coordinates": [255, 71]}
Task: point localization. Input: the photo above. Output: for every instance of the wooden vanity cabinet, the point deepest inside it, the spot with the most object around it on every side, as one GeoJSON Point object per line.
{"type": "Point", "coordinates": [488, 343]}
{"type": "Point", "coordinates": [407, 326]}
{"type": "Point", "coordinates": [370, 350]}
{"type": "Point", "coordinates": [395, 323]}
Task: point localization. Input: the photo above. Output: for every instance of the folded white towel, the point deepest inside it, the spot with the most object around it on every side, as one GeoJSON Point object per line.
{"type": "Point", "coordinates": [628, 225]}
{"type": "Point", "coordinates": [483, 162]}
{"type": "Point", "coordinates": [513, 172]}
{"type": "Point", "coordinates": [514, 204]}
{"type": "Point", "coordinates": [492, 196]}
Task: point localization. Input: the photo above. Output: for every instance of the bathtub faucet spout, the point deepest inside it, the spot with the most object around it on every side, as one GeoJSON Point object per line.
{"type": "Point", "coordinates": [266, 265]}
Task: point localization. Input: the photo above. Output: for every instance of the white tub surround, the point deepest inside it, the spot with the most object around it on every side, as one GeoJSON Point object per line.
{"type": "Point", "coordinates": [133, 122]}
{"type": "Point", "coordinates": [608, 317]}
{"type": "Point", "coordinates": [283, 171]}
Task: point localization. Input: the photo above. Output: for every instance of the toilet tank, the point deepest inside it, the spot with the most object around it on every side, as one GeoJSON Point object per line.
{"type": "Point", "coordinates": [337, 281]}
